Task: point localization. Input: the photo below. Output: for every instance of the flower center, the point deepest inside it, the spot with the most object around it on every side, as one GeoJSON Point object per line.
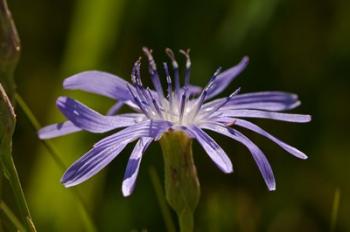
{"type": "Point", "coordinates": [178, 104]}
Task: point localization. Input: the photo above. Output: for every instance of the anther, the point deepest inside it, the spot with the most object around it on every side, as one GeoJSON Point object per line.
{"type": "Point", "coordinates": [188, 65]}
{"type": "Point", "coordinates": [175, 65]}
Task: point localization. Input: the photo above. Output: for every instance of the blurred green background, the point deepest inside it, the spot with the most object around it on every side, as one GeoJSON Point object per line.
{"type": "Point", "coordinates": [300, 46]}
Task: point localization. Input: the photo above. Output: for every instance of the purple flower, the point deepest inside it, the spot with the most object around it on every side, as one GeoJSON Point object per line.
{"type": "Point", "coordinates": [181, 107]}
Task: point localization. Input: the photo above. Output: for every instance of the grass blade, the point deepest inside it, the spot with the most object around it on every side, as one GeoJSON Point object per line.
{"type": "Point", "coordinates": [57, 159]}
{"type": "Point", "coordinates": [335, 209]}
{"type": "Point", "coordinates": [169, 223]}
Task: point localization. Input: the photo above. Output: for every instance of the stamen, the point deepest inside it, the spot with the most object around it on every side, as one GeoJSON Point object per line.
{"type": "Point", "coordinates": [227, 99]}
{"type": "Point", "coordinates": [140, 94]}
{"type": "Point", "coordinates": [137, 101]}
{"type": "Point", "coordinates": [235, 92]}
{"type": "Point", "coordinates": [199, 103]}
{"type": "Point", "coordinates": [175, 65]}
{"type": "Point", "coordinates": [202, 97]}
{"type": "Point", "coordinates": [223, 103]}
{"type": "Point", "coordinates": [213, 77]}
{"type": "Point", "coordinates": [153, 72]}
{"type": "Point", "coordinates": [188, 66]}
{"type": "Point", "coordinates": [183, 103]}
{"type": "Point", "coordinates": [155, 104]}
{"type": "Point", "coordinates": [168, 80]}
{"type": "Point", "coordinates": [134, 72]}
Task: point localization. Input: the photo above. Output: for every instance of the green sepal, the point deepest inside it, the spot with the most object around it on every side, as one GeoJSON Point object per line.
{"type": "Point", "coordinates": [182, 187]}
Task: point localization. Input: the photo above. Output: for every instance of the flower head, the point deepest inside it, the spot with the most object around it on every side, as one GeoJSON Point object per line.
{"type": "Point", "coordinates": [183, 107]}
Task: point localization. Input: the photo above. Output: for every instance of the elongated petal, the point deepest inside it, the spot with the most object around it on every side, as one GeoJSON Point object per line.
{"type": "Point", "coordinates": [88, 119]}
{"type": "Point", "coordinates": [102, 154]}
{"type": "Point", "coordinates": [151, 129]}
{"type": "Point", "coordinates": [251, 126]}
{"type": "Point", "coordinates": [299, 118]}
{"type": "Point", "coordinates": [101, 83]}
{"type": "Point", "coordinates": [214, 151]}
{"type": "Point", "coordinates": [270, 100]}
{"type": "Point", "coordinates": [257, 154]}
{"type": "Point", "coordinates": [226, 77]}
{"type": "Point", "coordinates": [91, 163]}
{"type": "Point", "coordinates": [115, 108]}
{"type": "Point", "coordinates": [194, 90]}
{"type": "Point", "coordinates": [267, 106]}
{"type": "Point", "coordinates": [133, 166]}
{"type": "Point", "coordinates": [58, 129]}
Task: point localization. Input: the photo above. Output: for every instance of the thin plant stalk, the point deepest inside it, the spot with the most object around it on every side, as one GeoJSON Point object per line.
{"type": "Point", "coordinates": [161, 200]}
{"type": "Point", "coordinates": [8, 120]}
{"type": "Point", "coordinates": [11, 216]}
{"type": "Point", "coordinates": [9, 56]}
{"type": "Point", "coordinates": [335, 209]}
{"type": "Point", "coordinates": [57, 159]}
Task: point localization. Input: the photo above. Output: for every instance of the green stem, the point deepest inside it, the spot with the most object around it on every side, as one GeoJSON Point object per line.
{"type": "Point", "coordinates": [8, 121]}
{"type": "Point", "coordinates": [335, 209]}
{"type": "Point", "coordinates": [11, 216]}
{"type": "Point", "coordinates": [186, 221]}
{"type": "Point", "coordinates": [161, 200]}
{"type": "Point", "coordinates": [181, 182]}
{"type": "Point", "coordinates": [36, 126]}
{"type": "Point", "coordinates": [9, 55]}
{"type": "Point", "coordinates": [57, 159]}
{"type": "Point", "coordinates": [11, 174]}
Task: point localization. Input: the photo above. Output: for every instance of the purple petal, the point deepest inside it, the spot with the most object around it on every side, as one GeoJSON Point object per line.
{"type": "Point", "coordinates": [90, 120]}
{"type": "Point", "coordinates": [101, 83]}
{"type": "Point", "coordinates": [270, 100]}
{"type": "Point", "coordinates": [152, 129]}
{"type": "Point", "coordinates": [58, 129]}
{"type": "Point", "coordinates": [257, 154]}
{"type": "Point", "coordinates": [103, 153]}
{"type": "Point", "coordinates": [133, 166]}
{"type": "Point", "coordinates": [299, 118]}
{"type": "Point", "coordinates": [226, 77]}
{"type": "Point", "coordinates": [268, 106]}
{"type": "Point", "coordinates": [91, 163]}
{"type": "Point", "coordinates": [194, 90]}
{"type": "Point", "coordinates": [214, 151]}
{"type": "Point", "coordinates": [115, 108]}
{"type": "Point", "coordinates": [283, 145]}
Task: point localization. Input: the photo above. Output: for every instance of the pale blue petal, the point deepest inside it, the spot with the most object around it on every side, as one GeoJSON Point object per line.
{"type": "Point", "coordinates": [270, 100]}
{"type": "Point", "coordinates": [90, 120]}
{"type": "Point", "coordinates": [257, 154]}
{"type": "Point", "coordinates": [133, 166]}
{"type": "Point", "coordinates": [101, 83]}
{"type": "Point", "coordinates": [251, 126]}
{"type": "Point", "coordinates": [226, 77]}
{"type": "Point", "coordinates": [298, 118]}
{"type": "Point", "coordinates": [152, 129]}
{"type": "Point", "coordinates": [214, 151]}
{"type": "Point", "coordinates": [58, 129]}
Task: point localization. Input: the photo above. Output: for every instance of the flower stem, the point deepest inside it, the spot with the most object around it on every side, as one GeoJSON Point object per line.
{"type": "Point", "coordinates": [186, 221]}
{"type": "Point", "coordinates": [8, 122]}
{"type": "Point", "coordinates": [85, 213]}
{"type": "Point", "coordinates": [182, 188]}
{"type": "Point", "coordinates": [11, 216]}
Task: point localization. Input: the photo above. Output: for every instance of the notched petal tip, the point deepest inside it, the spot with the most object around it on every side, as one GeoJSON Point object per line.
{"type": "Point", "coordinates": [67, 183]}
{"type": "Point", "coordinates": [272, 187]}
{"type": "Point", "coordinates": [61, 100]}
{"type": "Point", "coordinates": [308, 118]}
{"type": "Point", "coordinates": [126, 190]}
{"type": "Point", "coordinates": [245, 60]}
{"type": "Point", "coordinates": [41, 134]}
{"type": "Point", "coordinates": [228, 169]}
